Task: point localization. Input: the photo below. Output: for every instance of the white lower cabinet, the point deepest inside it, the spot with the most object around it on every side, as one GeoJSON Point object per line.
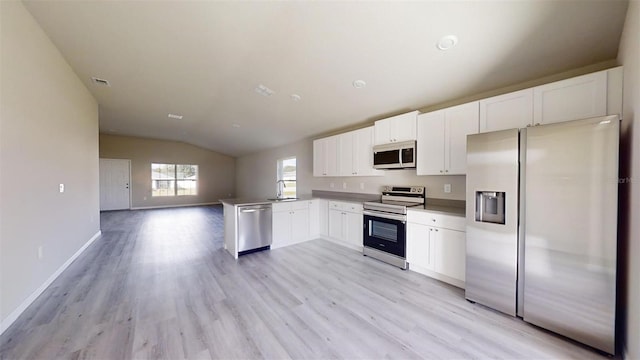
{"type": "Point", "coordinates": [345, 224]}
{"type": "Point", "coordinates": [436, 246]}
{"type": "Point", "coordinates": [450, 247]}
{"type": "Point", "coordinates": [290, 224]}
{"type": "Point", "coordinates": [420, 252]}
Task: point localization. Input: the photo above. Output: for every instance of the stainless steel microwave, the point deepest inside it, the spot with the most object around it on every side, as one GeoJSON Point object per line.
{"type": "Point", "coordinates": [399, 155]}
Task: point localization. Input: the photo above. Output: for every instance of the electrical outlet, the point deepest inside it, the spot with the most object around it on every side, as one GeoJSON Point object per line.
{"type": "Point", "coordinates": [40, 252]}
{"type": "Point", "coordinates": [447, 188]}
{"type": "Point", "coordinates": [344, 185]}
{"type": "Point", "coordinates": [61, 187]}
{"type": "Point", "coordinates": [361, 186]}
{"type": "Point", "coordinates": [144, 198]}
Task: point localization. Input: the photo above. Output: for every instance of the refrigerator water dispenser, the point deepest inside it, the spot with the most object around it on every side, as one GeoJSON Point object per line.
{"type": "Point", "coordinates": [490, 206]}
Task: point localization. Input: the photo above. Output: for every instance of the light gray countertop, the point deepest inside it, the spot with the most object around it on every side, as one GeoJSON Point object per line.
{"type": "Point", "coordinates": [446, 210]}
{"type": "Point", "coordinates": [447, 207]}
{"type": "Point", "coordinates": [259, 201]}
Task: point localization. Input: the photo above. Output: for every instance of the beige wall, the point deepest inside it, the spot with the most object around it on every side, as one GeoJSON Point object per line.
{"type": "Point", "coordinates": [48, 136]}
{"type": "Point", "coordinates": [256, 174]}
{"type": "Point", "coordinates": [216, 178]}
{"type": "Point", "coordinates": [629, 56]}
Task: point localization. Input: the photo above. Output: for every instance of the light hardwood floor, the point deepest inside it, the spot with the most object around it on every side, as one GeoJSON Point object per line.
{"type": "Point", "coordinates": [158, 284]}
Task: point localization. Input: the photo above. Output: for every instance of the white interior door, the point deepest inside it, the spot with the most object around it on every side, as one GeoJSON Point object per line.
{"type": "Point", "coordinates": [115, 184]}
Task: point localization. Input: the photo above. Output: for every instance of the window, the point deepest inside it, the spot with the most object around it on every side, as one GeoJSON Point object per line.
{"type": "Point", "coordinates": [174, 179]}
{"type": "Point", "coordinates": [286, 183]}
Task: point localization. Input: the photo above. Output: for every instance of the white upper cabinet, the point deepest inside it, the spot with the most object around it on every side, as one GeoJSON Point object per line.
{"type": "Point", "coordinates": [442, 139]}
{"type": "Point", "coordinates": [580, 97]}
{"type": "Point", "coordinates": [430, 146]}
{"type": "Point", "coordinates": [396, 129]}
{"type": "Point", "coordinates": [576, 98]}
{"type": "Point", "coordinates": [355, 153]}
{"type": "Point", "coordinates": [325, 156]}
{"type": "Point", "coordinates": [508, 111]}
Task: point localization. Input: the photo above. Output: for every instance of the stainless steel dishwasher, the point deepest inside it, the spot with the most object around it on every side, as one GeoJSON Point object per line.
{"type": "Point", "coordinates": [254, 227]}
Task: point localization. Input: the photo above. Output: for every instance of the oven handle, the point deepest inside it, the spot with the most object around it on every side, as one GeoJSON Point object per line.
{"type": "Point", "coordinates": [402, 218]}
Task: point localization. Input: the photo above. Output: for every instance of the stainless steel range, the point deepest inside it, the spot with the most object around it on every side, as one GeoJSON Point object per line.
{"type": "Point", "coordinates": [385, 223]}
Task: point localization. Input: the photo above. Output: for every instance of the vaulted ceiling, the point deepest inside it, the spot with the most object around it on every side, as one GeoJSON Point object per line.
{"type": "Point", "coordinates": [204, 60]}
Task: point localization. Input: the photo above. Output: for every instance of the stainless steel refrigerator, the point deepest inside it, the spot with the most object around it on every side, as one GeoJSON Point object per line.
{"type": "Point", "coordinates": [542, 223]}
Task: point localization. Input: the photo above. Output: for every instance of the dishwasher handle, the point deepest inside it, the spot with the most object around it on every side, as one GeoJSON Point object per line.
{"type": "Point", "coordinates": [252, 210]}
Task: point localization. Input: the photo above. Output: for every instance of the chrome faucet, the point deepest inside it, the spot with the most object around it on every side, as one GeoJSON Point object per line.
{"type": "Point", "coordinates": [281, 186]}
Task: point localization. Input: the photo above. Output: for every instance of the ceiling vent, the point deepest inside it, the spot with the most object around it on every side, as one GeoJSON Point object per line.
{"type": "Point", "coordinates": [101, 82]}
{"type": "Point", "coordinates": [263, 90]}
{"type": "Point", "coordinates": [174, 116]}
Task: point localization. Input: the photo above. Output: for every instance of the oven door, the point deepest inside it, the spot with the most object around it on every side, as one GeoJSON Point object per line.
{"type": "Point", "coordinates": [386, 233]}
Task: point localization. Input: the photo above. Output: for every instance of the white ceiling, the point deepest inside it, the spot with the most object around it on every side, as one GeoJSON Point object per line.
{"type": "Point", "coordinates": [203, 60]}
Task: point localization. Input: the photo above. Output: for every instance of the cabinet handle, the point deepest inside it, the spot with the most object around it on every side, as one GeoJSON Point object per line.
{"type": "Point", "coordinates": [538, 124]}
{"type": "Point", "coordinates": [440, 171]}
{"type": "Point", "coordinates": [430, 229]}
{"type": "Point", "coordinates": [433, 220]}
{"type": "Point", "coordinates": [528, 125]}
{"type": "Point", "coordinates": [446, 171]}
{"type": "Point", "coordinates": [436, 229]}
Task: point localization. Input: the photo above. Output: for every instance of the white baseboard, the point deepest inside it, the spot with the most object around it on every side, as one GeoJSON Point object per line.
{"type": "Point", "coordinates": [6, 322]}
{"type": "Point", "coordinates": [173, 206]}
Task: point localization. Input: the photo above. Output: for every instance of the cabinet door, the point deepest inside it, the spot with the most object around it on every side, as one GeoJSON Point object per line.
{"type": "Point", "coordinates": [450, 252]}
{"type": "Point", "coordinates": [430, 145]}
{"type": "Point", "coordinates": [335, 224]}
{"type": "Point", "coordinates": [320, 157]}
{"type": "Point", "coordinates": [419, 246]}
{"type": "Point", "coordinates": [363, 153]}
{"type": "Point", "coordinates": [508, 111]}
{"type": "Point", "coordinates": [281, 229]}
{"type": "Point", "coordinates": [354, 223]}
{"type": "Point", "coordinates": [345, 154]}
{"type": "Point", "coordinates": [461, 121]}
{"type": "Point", "coordinates": [576, 98]}
{"type": "Point", "coordinates": [332, 156]}
{"type": "Point", "coordinates": [314, 218]}
{"type": "Point", "coordinates": [299, 226]}
{"type": "Point", "coordinates": [382, 131]}
{"type": "Point", "coordinates": [323, 218]}
{"type": "Point", "coordinates": [403, 127]}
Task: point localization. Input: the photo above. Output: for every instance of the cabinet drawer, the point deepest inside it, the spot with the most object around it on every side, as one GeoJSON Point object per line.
{"type": "Point", "coordinates": [281, 207]}
{"type": "Point", "coordinates": [437, 220]}
{"type": "Point", "coordinates": [345, 206]}
{"type": "Point", "coordinates": [353, 207]}
{"type": "Point", "coordinates": [336, 205]}
{"type": "Point", "coordinates": [290, 206]}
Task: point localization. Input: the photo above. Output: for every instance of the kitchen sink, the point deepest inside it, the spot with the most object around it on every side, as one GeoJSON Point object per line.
{"type": "Point", "coordinates": [283, 199]}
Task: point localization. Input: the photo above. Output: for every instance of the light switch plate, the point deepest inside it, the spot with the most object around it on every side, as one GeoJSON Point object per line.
{"type": "Point", "coordinates": [447, 188]}
{"type": "Point", "coordinates": [61, 188]}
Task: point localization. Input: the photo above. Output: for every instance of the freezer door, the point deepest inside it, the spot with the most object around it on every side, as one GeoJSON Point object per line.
{"type": "Point", "coordinates": [570, 235]}
{"type": "Point", "coordinates": [492, 230]}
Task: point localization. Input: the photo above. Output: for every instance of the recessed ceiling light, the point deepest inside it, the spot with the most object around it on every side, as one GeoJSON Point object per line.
{"type": "Point", "coordinates": [359, 84]}
{"type": "Point", "coordinates": [174, 116]}
{"type": "Point", "coordinates": [101, 82]}
{"type": "Point", "coordinates": [263, 90]}
{"type": "Point", "coordinates": [236, 125]}
{"type": "Point", "coordinates": [296, 97]}
{"type": "Point", "coordinates": [447, 42]}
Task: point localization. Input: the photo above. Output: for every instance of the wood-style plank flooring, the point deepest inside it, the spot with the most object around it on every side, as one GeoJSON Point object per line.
{"type": "Point", "coordinates": [158, 284]}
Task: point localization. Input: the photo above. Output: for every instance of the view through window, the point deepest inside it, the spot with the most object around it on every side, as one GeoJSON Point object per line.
{"type": "Point", "coordinates": [174, 179]}
{"type": "Point", "coordinates": [286, 182]}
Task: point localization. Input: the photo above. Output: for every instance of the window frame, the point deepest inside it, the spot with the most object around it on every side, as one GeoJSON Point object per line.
{"type": "Point", "coordinates": [173, 182]}
{"type": "Point", "coordinates": [280, 176]}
